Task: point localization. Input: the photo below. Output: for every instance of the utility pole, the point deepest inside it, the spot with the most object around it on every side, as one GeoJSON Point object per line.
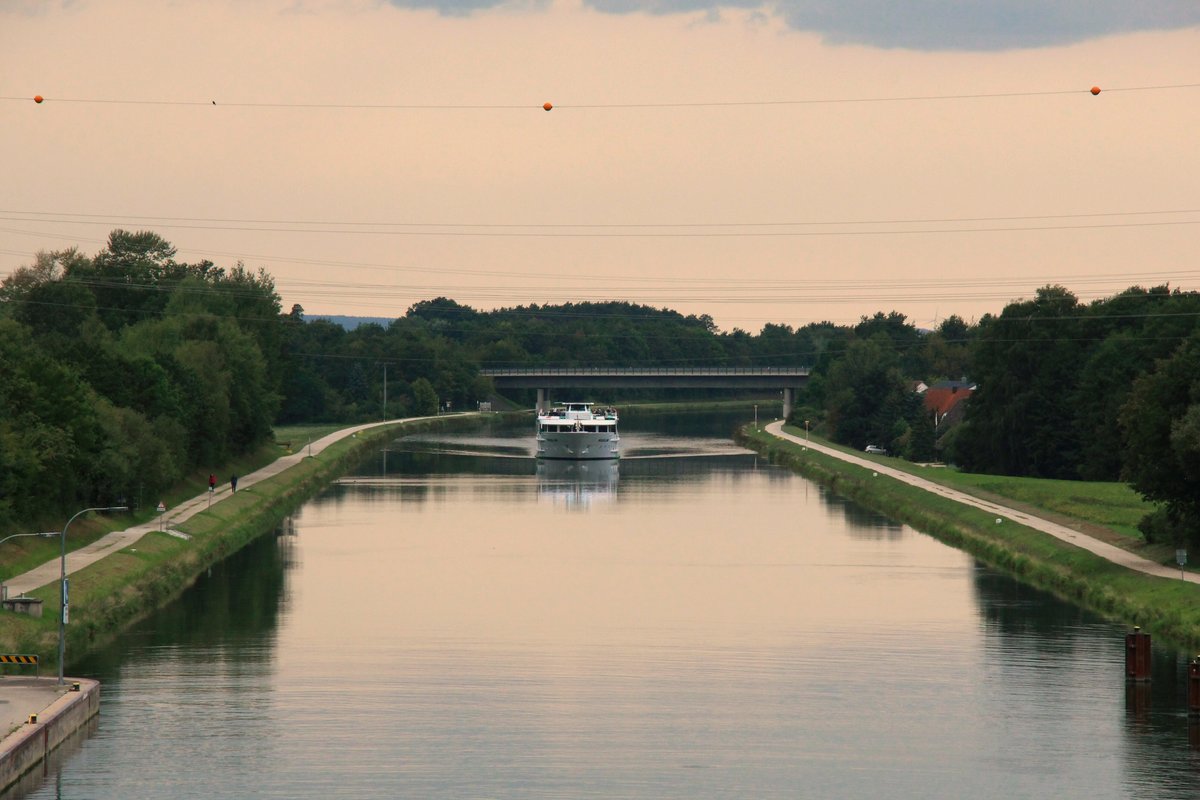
{"type": "Point", "coordinates": [385, 392]}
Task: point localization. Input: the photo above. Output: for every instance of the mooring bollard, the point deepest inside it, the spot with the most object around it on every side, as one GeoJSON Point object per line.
{"type": "Point", "coordinates": [1137, 655]}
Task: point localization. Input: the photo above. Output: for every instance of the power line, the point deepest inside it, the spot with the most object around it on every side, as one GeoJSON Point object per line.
{"type": "Point", "coordinates": [252, 228]}
{"type": "Point", "coordinates": [691, 281]}
{"type": "Point", "coordinates": [80, 218]}
{"type": "Point", "coordinates": [534, 106]}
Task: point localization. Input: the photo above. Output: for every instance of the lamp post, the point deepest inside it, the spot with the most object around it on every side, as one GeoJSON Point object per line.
{"type": "Point", "coordinates": [62, 615]}
{"type": "Point", "coordinates": [43, 534]}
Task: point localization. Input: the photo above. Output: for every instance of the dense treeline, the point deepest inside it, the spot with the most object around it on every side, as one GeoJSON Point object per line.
{"type": "Point", "coordinates": [126, 370]}
{"type": "Point", "coordinates": [433, 353]}
{"type": "Point", "coordinates": [1103, 391]}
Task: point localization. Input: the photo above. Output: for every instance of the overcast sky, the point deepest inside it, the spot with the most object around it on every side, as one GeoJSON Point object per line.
{"type": "Point", "coordinates": [788, 163]}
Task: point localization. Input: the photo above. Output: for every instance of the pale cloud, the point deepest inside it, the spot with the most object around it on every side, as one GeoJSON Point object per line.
{"type": "Point", "coordinates": [983, 25]}
{"type": "Point", "coordinates": [918, 24]}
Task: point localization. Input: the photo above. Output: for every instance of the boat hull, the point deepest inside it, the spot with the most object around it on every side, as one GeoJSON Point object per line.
{"type": "Point", "coordinates": [579, 446]}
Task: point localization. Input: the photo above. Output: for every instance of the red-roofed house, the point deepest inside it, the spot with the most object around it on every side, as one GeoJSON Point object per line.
{"type": "Point", "coordinates": [943, 399]}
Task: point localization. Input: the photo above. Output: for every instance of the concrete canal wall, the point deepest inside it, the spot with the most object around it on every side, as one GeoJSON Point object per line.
{"type": "Point", "coordinates": [29, 745]}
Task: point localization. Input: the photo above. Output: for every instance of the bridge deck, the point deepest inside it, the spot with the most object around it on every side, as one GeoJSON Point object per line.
{"type": "Point", "coordinates": [650, 377]}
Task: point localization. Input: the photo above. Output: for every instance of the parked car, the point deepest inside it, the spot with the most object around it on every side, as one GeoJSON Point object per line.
{"type": "Point", "coordinates": [879, 451]}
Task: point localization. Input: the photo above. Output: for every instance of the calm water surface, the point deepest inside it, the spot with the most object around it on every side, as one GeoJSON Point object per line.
{"type": "Point", "coordinates": [453, 620]}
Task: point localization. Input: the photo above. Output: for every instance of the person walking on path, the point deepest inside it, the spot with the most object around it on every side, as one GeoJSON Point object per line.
{"type": "Point", "coordinates": [212, 482]}
{"type": "Point", "coordinates": [233, 482]}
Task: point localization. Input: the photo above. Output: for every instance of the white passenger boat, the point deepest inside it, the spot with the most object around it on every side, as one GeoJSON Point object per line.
{"type": "Point", "coordinates": [577, 431]}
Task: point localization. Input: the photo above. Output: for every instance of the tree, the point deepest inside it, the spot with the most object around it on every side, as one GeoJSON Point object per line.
{"type": "Point", "coordinates": [425, 399]}
{"type": "Point", "coordinates": [128, 277]}
{"type": "Point", "coordinates": [1161, 424]}
{"type": "Point", "coordinates": [921, 442]}
{"type": "Point", "coordinates": [1026, 363]}
{"type": "Point", "coordinates": [866, 395]}
{"type": "Point", "coordinates": [48, 429]}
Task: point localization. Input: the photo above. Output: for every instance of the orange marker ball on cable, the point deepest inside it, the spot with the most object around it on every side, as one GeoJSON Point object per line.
{"type": "Point", "coordinates": [1095, 90]}
{"type": "Point", "coordinates": [547, 106]}
{"type": "Point", "coordinates": [37, 98]}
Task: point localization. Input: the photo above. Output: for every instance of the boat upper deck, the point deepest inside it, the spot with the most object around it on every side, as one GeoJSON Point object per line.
{"type": "Point", "coordinates": [580, 411]}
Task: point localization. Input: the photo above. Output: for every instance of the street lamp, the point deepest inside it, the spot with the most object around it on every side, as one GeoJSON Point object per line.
{"type": "Point", "coordinates": [43, 534]}
{"type": "Point", "coordinates": [62, 615]}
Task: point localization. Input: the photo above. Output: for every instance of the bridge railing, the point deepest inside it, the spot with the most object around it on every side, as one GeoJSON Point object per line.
{"type": "Point", "coordinates": [646, 371]}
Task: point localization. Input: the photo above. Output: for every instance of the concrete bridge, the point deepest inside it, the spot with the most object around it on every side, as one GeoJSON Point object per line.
{"type": "Point", "coordinates": [787, 379]}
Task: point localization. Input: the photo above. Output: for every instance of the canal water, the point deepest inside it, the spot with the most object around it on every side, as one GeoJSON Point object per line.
{"type": "Point", "coordinates": [453, 620]}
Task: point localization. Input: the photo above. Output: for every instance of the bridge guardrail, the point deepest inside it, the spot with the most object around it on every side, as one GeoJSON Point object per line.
{"type": "Point", "coordinates": [646, 371]}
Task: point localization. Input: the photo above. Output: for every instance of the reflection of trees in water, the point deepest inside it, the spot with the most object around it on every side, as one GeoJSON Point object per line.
{"type": "Point", "coordinates": [426, 462]}
{"type": "Point", "coordinates": [1033, 631]}
{"type": "Point", "coordinates": [864, 523]}
{"type": "Point", "coordinates": [1161, 741]}
{"type": "Point", "coordinates": [1015, 609]}
{"type": "Point", "coordinates": [732, 465]}
{"type": "Point", "coordinates": [234, 605]}
{"type": "Point", "coordinates": [708, 423]}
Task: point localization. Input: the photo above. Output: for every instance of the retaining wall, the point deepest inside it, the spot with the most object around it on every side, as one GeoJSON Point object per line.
{"type": "Point", "coordinates": [28, 746]}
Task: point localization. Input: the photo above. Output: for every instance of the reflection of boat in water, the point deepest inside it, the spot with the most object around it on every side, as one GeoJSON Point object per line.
{"type": "Point", "coordinates": [575, 431]}
{"type": "Point", "coordinates": [576, 484]}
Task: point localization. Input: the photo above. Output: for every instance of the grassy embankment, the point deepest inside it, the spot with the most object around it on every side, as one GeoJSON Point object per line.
{"type": "Point", "coordinates": [1165, 607]}
{"type": "Point", "coordinates": [124, 586]}
{"type": "Point", "coordinates": [21, 555]}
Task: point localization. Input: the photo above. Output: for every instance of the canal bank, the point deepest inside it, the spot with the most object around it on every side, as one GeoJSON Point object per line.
{"type": "Point", "coordinates": [127, 574]}
{"type": "Point", "coordinates": [38, 715]}
{"type": "Point", "coordinates": [1013, 541]}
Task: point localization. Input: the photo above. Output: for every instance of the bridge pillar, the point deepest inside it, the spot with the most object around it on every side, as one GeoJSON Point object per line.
{"type": "Point", "coordinates": [789, 397]}
{"type": "Point", "coordinates": [541, 401]}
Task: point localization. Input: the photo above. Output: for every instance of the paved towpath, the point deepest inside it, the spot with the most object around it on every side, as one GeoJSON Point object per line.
{"type": "Point", "coordinates": [118, 540]}
{"type": "Point", "coordinates": [1092, 545]}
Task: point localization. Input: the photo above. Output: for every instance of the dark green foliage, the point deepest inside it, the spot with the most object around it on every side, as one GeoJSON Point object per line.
{"type": "Point", "coordinates": [1021, 416]}
{"type": "Point", "coordinates": [48, 430]}
{"type": "Point", "coordinates": [921, 436]}
{"type": "Point", "coordinates": [131, 367]}
{"type": "Point", "coordinates": [1053, 376]}
{"type": "Point", "coordinates": [1161, 421]}
{"type": "Point", "coordinates": [425, 399]}
{"type": "Point", "coordinates": [867, 396]}
{"type": "Point", "coordinates": [125, 371]}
